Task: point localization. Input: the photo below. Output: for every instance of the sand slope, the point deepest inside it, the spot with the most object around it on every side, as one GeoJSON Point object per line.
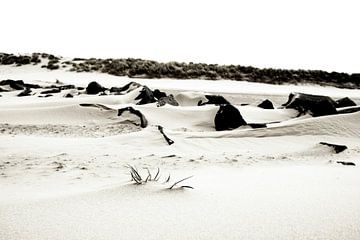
{"type": "Point", "coordinates": [63, 174]}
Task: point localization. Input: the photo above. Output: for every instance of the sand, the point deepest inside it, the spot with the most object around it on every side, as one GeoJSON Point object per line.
{"type": "Point", "coordinates": [63, 171]}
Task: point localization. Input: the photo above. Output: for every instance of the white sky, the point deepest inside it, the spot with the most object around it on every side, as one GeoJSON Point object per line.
{"type": "Point", "coordinates": [308, 34]}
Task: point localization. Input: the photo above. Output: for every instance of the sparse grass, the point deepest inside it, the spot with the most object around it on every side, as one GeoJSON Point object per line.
{"type": "Point", "coordinates": [139, 180]}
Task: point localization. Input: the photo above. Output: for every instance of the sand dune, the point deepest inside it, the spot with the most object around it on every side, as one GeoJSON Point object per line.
{"type": "Point", "coordinates": [63, 174]}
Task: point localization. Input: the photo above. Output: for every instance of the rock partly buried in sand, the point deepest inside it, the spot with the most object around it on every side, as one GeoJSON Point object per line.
{"type": "Point", "coordinates": [159, 94]}
{"type": "Point", "coordinates": [228, 117]}
{"type": "Point", "coordinates": [94, 88]}
{"type": "Point", "coordinates": [167, 100]}
{"type": "Point", "coordinates": [146, 96]}
{"type": "Point", "coordinates": [266, 104]}
{"type": "Point", "coordinates": [54, 90]}
{"type": "Point", "coordinates": [25, 93]}
{"type": "Point", "coordinates": [315, 105]}
{"type": "Point", "coordinates": [125, 89]}
{"type": "Point", "coordinates": [68, 95]}
{"type": "Point", "coordinates": [214, 99]}
{"type": "Point", "coordinates": [346, 163]}
{"type": "Point", "coordinates": [14, 84]}
{"type": "Point", "coordinates": [45, 96]}
{"type": "Point", "coordinates": [345, 102]}
{"type": "Point", "coordinates": [131, 110]}
{"type": "Point", "coordinates": [337, 148]}
{"type": "Point", "coordinates": [2, 90]}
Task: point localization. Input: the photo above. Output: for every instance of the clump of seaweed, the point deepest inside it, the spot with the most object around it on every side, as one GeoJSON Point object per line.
{"type": "Point", "coordinates": [139, 180]}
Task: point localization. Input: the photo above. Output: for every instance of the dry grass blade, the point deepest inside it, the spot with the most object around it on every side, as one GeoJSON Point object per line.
{"type": "Point", "coordinates": [179, 182]}
{"type": "Point", "coordinates": [168, 179]}
{"type": "Point", "coordinates": [157, 175]}
{"type": "Point", "coordinates": [186, 186]}
{"type": "Point", "coordinates": [135, 174]}
{"type": "Point", "coordinates": [149, 174]}
{"type": "Point", "coordinates": [135, 178]}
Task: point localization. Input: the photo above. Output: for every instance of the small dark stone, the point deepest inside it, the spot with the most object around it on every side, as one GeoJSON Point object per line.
{"type": "Point", "coordinates": [94, 88]}
{"type": "Point", "coordinates": [266, 104]}
{"type": "Point", "coordinates": [337, 148]}
{"type": "Point", "coordinates": [45, 96]}
{"type": "Point", "coordinates": [346, 163]}
{"type": "Point", "coordinates": [228, 117]}
{"type": "Point", "coordinates": [69, 95]}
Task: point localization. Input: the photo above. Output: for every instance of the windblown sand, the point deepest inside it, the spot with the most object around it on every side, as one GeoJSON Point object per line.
{"type": "Point", "coordinates": [63, 174]}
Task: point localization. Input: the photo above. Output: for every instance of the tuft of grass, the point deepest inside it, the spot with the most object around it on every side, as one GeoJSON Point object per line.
{"type": "Point", "coordinates": [138, 179]}
{"type": "Point", "coordinates": [185, 186]}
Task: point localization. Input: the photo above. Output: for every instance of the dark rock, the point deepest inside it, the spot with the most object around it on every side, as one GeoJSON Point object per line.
{"type": "Point", "coordinates": [94, 88]}
{"type": "Point", "coordinates": [146, 96]}
{"type": "Point", "coordinates": [24, 93]}
{"type": "Point", "coordinates": [47, 95]}
{"type": "Point", "coordinates": [345, 102]}
{"type": "Point", "coordinates": [228, 117]}
{"type": "Point", "coordinates": [315, 105]}
{"type": "Point", "coordinates": [125, 89]}
{"type": "Point", "coordinates": [266, 104]}
{"type": "Point", "coordinates": [54, 90]}
{"type": "Point", "coordinates": [337, 148]}
{"type": "Point", "coordinates": [214, 99]}
{"type": "Point", "coordinates": [69, 95]}
{"type": "Point", "coordinates": [346, 163]}
{"type": "Point", "coordinates": [257, 125]}
{"type": "Point", "coordinates": [167, 100]}
{"type": "Point", "coordinates": [28, 85]}
{"type": "Point", "coordinates": [143, 120]}
{"type": "Point", "coordinates": [2, 90]}
{"type": "Point", "coordinates": [14, 84]}
{"type": "Point", "coordinates": [80, 88]}
{"type": "Point", "coordinates": [158, 94]}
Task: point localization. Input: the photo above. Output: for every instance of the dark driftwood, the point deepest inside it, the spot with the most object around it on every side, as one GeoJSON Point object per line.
{"type": "Point", "coordinates": [168, 140]}
{"type": "Point", "coordinates": [143, 120]}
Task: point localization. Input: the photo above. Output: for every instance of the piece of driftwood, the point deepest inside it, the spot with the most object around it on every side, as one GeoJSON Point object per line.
{"type": "Point", "coordinates": [168, 140]}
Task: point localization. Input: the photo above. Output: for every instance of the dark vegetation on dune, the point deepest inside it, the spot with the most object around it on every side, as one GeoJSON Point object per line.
{"type": "Point", "coordinates": [151, 69]}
